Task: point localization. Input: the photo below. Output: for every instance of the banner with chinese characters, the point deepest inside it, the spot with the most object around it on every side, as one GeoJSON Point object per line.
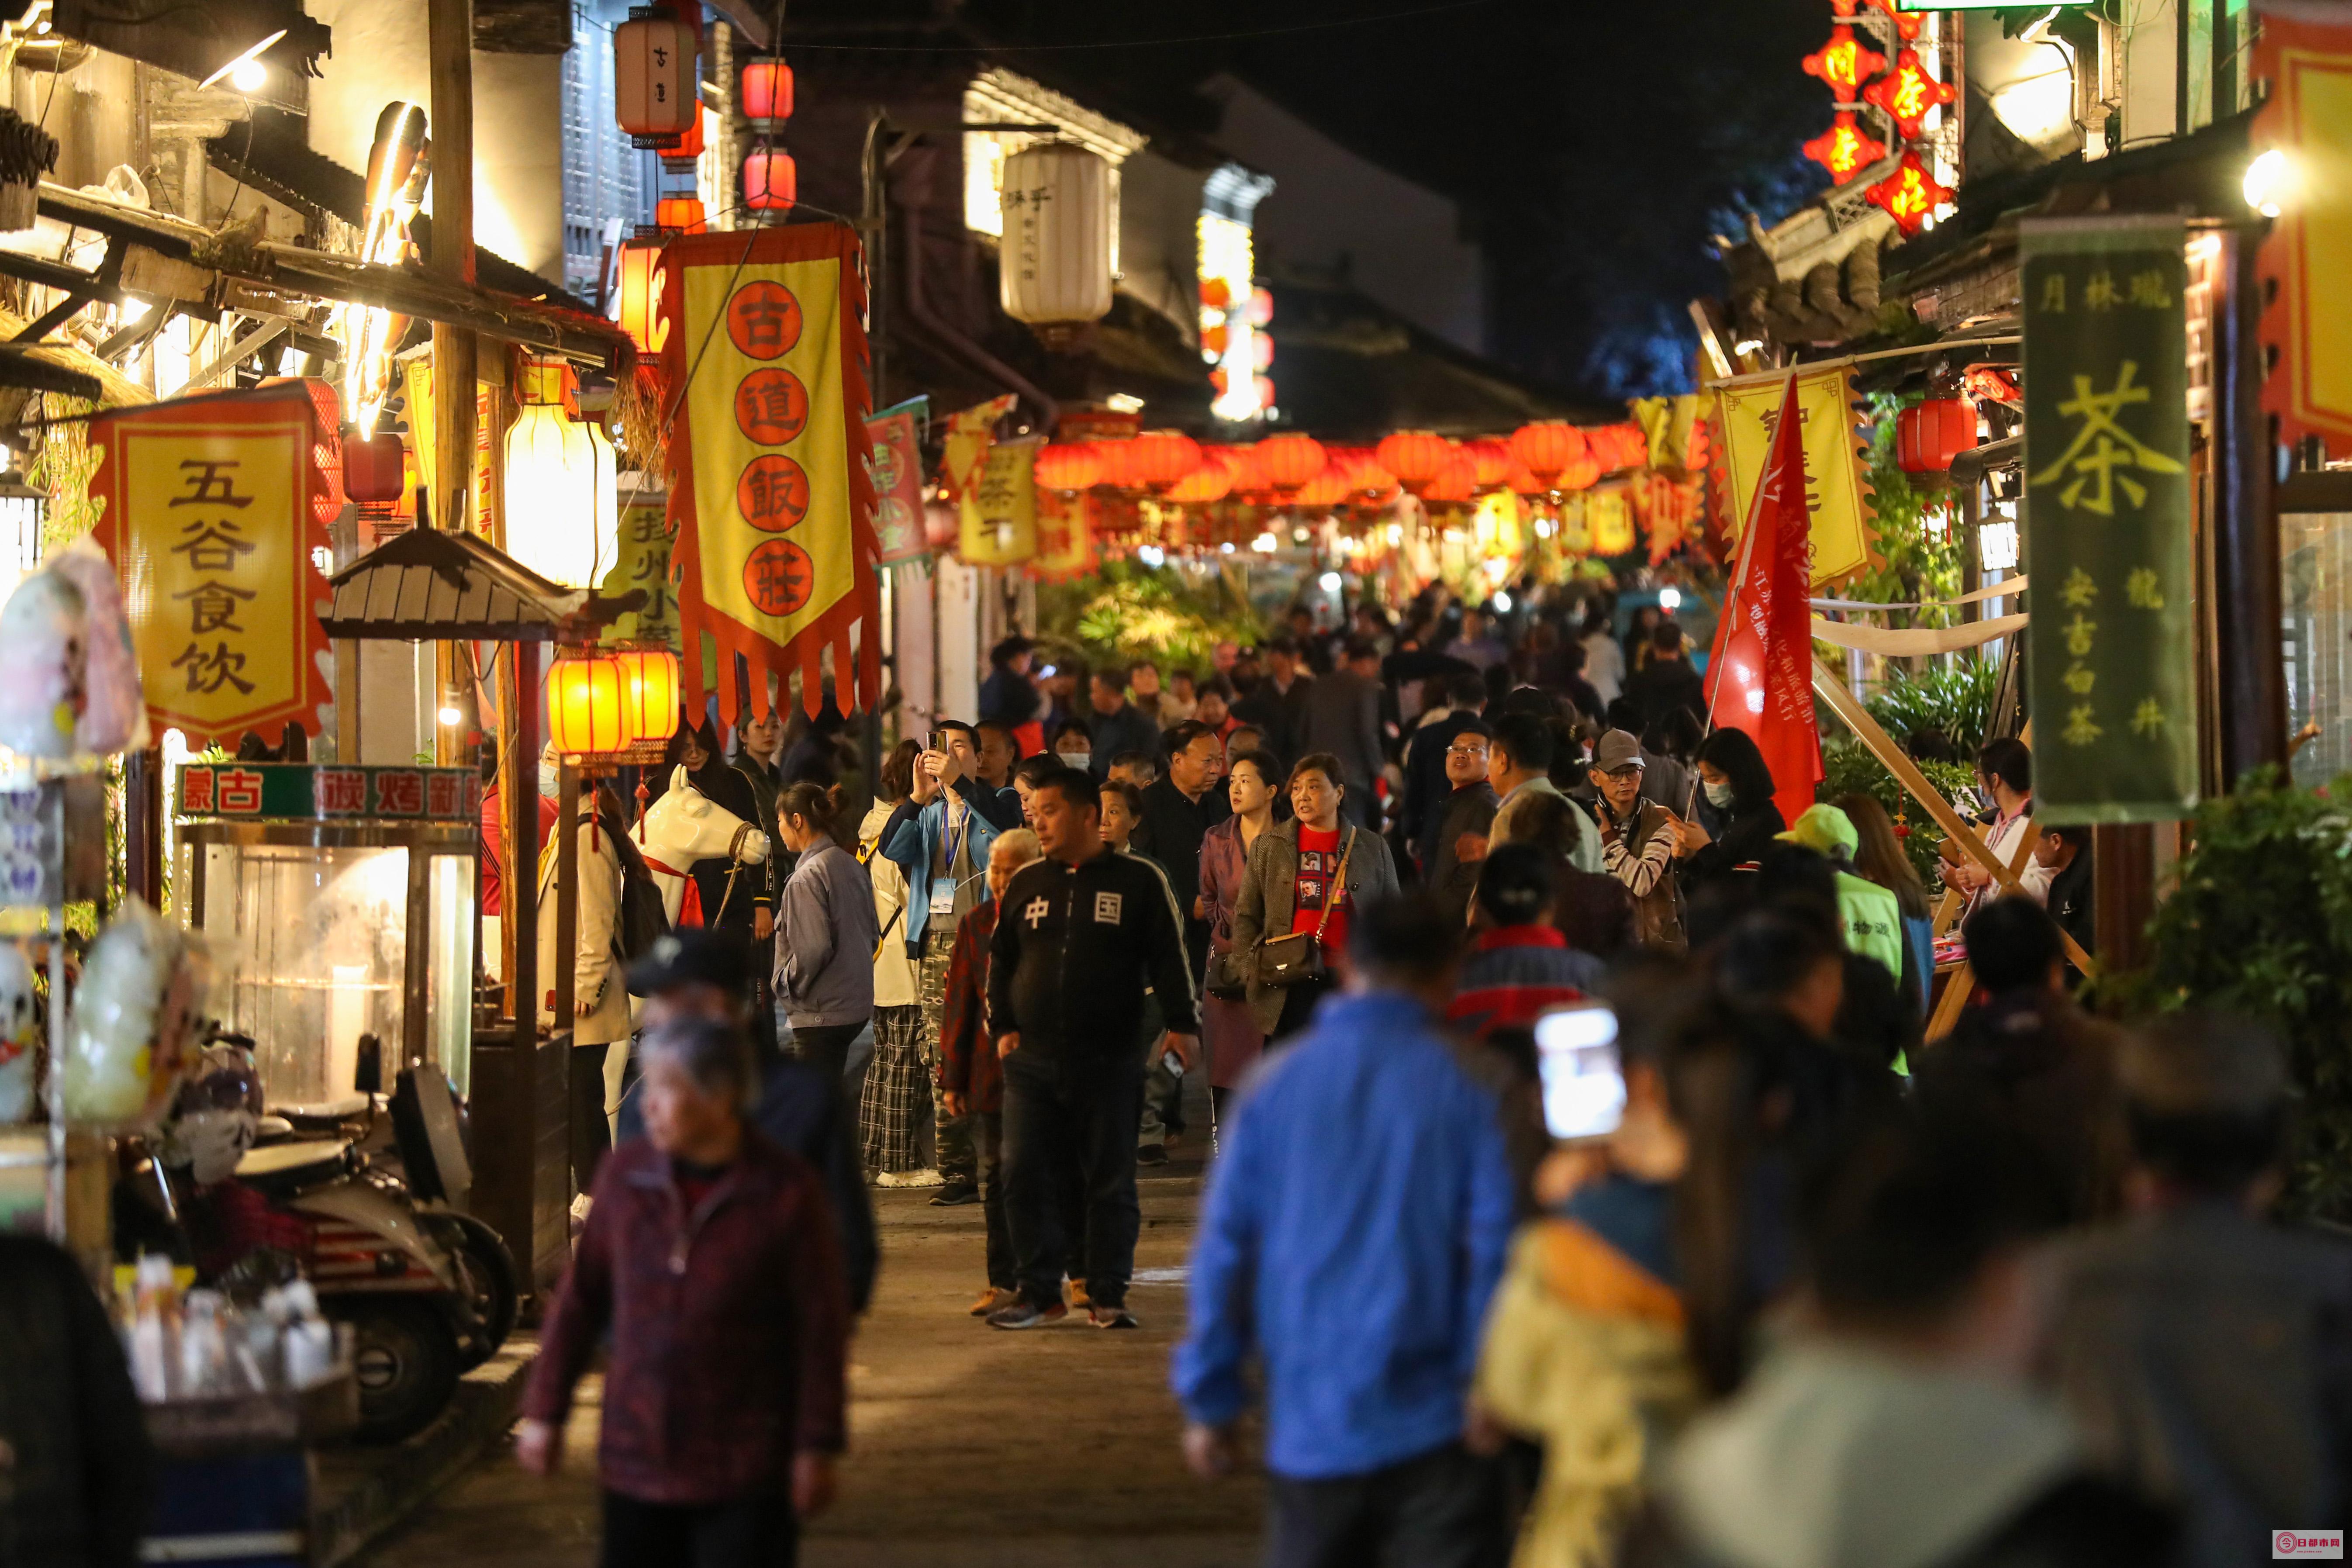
{"type": "Point", "coordinates": [963, 452]}
{"type": "Point", "coordinates": [2113, 688]}
{"type": "Point", "coordinates": [2300, 172]}
{"type": "Point", "coordinates": [1000, 507]}
{"type": "Point", "coordinates": [207, 509]}
{"type": "Point", "coordinates": [1064, 542]}
{"type": "Point", "coordinates": [304, 792]}
{"type": "Point", "coordinates": [417, 382]}
{"type": "Point", "coordinates": [896, 434]}
{"type": "Point", "coordinates": [644, 564]}
{"type": "Point", "coordinates": [1844, 540]}
{"type": "Point", "coordinates": [770, 502]}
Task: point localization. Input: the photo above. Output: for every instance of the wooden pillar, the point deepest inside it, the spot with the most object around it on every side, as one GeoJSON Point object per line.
{"type": "Point", "coordinates": [2249, 658]}
{"type": "Point", "coordinates": [2123, 878]}
{"type": "Point", "coordinates": [143, 826]}
{"type": "Point", "coordinates": [567, 896]}
{"type": "Point", "coordinates": [449, 26]}
{"type": "Point", "coordinates": [518, 814]}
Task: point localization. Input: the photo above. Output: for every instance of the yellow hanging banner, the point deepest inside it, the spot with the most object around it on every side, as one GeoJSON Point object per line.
{"type": "Point", "coordinates": [1844, 540]}
{"type": "Point", "coordinates": [1000, 511]}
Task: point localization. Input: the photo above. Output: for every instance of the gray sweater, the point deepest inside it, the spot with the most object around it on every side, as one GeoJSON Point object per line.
{"type": "Point", "coordinates": [825, 965]}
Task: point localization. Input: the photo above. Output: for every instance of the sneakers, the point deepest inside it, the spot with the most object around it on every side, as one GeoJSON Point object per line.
{"type": "Point", "coordinates": [1111, 1318]}
{"type": "Point", "coordinates": [908, 1179]}
{"type": "Point", "coordinates": [1021, 1315]}
{"type": "Point", "coordinates": [955, 1195]}
{"type": "Point", "coordinates": [993, 1299]}
{"type": "Point", "coordinates": [1151, 1154]}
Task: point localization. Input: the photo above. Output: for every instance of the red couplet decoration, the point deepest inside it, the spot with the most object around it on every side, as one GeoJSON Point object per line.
{"type": "Point", "coordinates": [1160, 457]}
{"type": "Point", "coordinates": [1546, 447]}
{"type": "Point", "coordinates": [1414, 457]}
{"type": "Point", "coordinates": [770, 181]}
{"type": "Point", "coordinates": [1910, 194]}
{"type": "Point", "coordinates": [372, 468]}
{"type": "Point", "coordinates": [1929, 436]}
{"type": "Point", "coordinates": [1287, 462]}
{"type": "Point", "coordinates": [767, 93]}
{"type": "Point", "coordinates": [1845, 63]}
{"type": "Point", "coordinates": [1844, 147]}
{"type": "Point", "coordinates": [1069, 467]}
{"type": "Point", "coordinates": [1908, 93]}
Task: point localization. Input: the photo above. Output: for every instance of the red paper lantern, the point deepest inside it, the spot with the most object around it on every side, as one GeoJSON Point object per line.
{"type": "Point", "coordinates": [641, 290]}
{"type": "Point", "coordinates": [1546, 447]}
{"type": "Point", "coordinates": [655, 94]}
{"type": "Point", "coordinates": [1069, 467]}
{"type": "Point", "coordinates": [1261, 308]}
{"type": "Point", "coordinates": [1910, 194]}
{"type": "Point", "coordinates": [1213, 480]}
{"type": "Point", "coordinates": [1494, 460]}
{"type": "Point", "coordinates": [679, 215]}
{"type": "Point", "coordinates": [767, 94]}
{"type": "Point", "coordinates": [372, 469]}
{"type": "Point", "coordinates": [1619, 446]}
{"type": "Point", "coordinates": [1457, 480]}
{"type": "Point", "coordinates": [1844, 147]}
{"type": "Point", "coordinates": [1520, 482]}
{"type": "Point", "coordinates": [1160, 457]}
{"type": "Point", "coordinates": [1216, 294]}
{"type": "Point", "coordinates": [771, 182]}
{"type": "Point", "coordinates": [1908, 93]}
{"type": "Point", "coordinates": [1115, 462]}
{"type": "Point", "coordinates": [1287, 462]}
{"type": "Point", "coordinates": [1248, 471]}
{"type": "Point", "coordinates": [1928, 435]}
{"type": "Point", "coordinates": [1845, 63]}
{"type": "Point", "coordinates": [1414, 457]}
{"type": "Point", "coordinates": [1327, 488]}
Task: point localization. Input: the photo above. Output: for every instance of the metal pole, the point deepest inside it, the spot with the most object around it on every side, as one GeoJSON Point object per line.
{"type": "Point", "coordinates": [450, 28]}
{"type": "Point", "coordinates": [2249, 658]}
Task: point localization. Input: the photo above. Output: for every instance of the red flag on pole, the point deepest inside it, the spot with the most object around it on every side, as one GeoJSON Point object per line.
{"type": "Point", "coordinates": [1761, 676]}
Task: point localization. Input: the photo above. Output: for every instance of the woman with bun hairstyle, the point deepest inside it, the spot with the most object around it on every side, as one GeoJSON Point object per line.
{"type": "Point", "coordinates": [825, 966]}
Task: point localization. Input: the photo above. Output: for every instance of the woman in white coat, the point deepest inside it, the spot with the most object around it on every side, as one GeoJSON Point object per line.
{"type": "Point", "coordinates": [891, 1111]}
{"type": "Point", "coordinates": [600, 1018]}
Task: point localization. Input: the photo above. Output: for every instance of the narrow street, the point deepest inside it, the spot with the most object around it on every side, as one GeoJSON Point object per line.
{"type": "Point", "coordinates": [968, 1445]}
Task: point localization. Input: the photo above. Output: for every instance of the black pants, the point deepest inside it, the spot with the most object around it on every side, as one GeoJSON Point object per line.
{"type": "Point", "coordinates": [591, 1135]}
{"type": "Point", "coordinates": [755, 1532]}
{"type": "Point", "coordinates": [1298, 1007]}
{"type": "Point", "coordinates": [1056, 1116]}
{"type": "Point", "coordinates": [1439, 1509]}
{"type": "Point", "coordinates": [825, 1047]}
{"type": "Point", "coordinates": [988, 1146]}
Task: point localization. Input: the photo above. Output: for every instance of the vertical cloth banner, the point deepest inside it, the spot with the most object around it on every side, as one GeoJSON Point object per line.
{"type": "Point", "coordinates": [1845, 542]}
{"type": "Point", "coordinates": [1760, 679]}
{"type": "Point", "coordinates": [2113, 640]}
{"type": "Point", "coordinates": [2307, 122]}
{"type": "Point", "coordinates": [770, 502]}
{"type": "Point", "coordinates": [897, 472]}
{"type": "Point", "coordinates": [1065, 537]}
{"type": "Point", "coordinates": [209, 510]}
{"type": "Point", "coordinates": [999, 509]}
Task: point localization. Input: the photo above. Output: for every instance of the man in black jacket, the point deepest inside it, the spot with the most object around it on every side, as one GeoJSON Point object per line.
{"type": "Point", "coordinates": [76, 1471]}
{"type": "Point", "coordinates": [1178, 809]}
{"type": "Point", "coordinates": [1082, 933]}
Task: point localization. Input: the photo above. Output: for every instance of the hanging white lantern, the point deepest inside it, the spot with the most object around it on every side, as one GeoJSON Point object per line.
{"type": "Point", "coordinates": [1061, 217]}
{"type": "Point", "coordinates": [562, 503]}
{"type": "Point", "coordinates": [655, 79]}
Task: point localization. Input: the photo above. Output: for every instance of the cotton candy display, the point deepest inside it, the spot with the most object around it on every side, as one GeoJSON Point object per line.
{"type": "Point", "coordinates": [45, 627]}
{"type": "Point", "coordinates": [20, 1035]}
{"type": "Point", "coordinates": [133, 1018]}
{"type": "Point", "coordinates": [115, 717]}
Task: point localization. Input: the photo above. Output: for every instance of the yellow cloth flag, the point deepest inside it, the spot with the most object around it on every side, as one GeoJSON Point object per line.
{"type": "Point", "coordinates": [1844, 540]}
{"type": "Point", "coordinates": [999, 512]}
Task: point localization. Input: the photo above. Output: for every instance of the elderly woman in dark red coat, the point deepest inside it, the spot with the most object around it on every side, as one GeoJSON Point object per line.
{"type": "Point", "coordinates": [972, 1078]}
{"type": "Point", "coordinates": [1231, 1032]}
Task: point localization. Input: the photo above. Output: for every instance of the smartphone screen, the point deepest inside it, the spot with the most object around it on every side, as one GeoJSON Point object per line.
{"type": "Point", "coordinates": [1583, 1082]}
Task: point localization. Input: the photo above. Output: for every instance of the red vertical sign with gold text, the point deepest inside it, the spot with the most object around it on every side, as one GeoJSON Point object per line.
{"type": "Point", "coordinates": [209, 510]}
{"type": "Point", "coordinates": [771, 504]}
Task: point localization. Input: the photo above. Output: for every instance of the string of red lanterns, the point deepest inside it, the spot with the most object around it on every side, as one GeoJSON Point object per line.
{"type": "Point", "coordinates": [1903, 90]}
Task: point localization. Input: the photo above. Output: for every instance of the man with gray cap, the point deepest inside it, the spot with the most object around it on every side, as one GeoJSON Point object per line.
{"type": "Point", "coordinates": [1637, 842]}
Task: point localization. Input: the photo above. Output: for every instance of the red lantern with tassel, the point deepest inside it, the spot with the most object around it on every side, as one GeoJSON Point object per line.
{"type": "Point", "coordinates": [1546, 449]}
{"type": "Point", "coordinates": [1928, 435]}
{"type": "Point", "coordinates": [1414, 457]}
{"type": "Point", "coordinates": [1287, 463]}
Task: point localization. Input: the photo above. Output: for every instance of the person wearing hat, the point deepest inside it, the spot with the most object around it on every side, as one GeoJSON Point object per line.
{"type": "Point", "coordinates": [1868, 914]}
{"type": "Point", "coordinates": [698, 972]}
{"type": "Point", "coordinates": [1637, 841]}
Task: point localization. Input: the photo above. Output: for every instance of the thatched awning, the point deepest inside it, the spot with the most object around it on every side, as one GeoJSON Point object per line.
{"type": "Point", "coordinates": [430, 584]}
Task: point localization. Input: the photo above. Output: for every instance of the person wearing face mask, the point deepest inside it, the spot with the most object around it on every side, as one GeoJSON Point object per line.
{"type": "Point", "coordinates": [1739, 787]}
{"type": "Point", "coordinates": [1074, 744]}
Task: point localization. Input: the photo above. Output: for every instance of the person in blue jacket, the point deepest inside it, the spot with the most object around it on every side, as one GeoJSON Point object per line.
{"type": "Point", "coordinates": [1364, 1174]}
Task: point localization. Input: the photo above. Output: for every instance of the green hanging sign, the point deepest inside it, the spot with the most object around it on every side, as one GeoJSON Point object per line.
{"type": "Point", "coordinates": [2112, 674]}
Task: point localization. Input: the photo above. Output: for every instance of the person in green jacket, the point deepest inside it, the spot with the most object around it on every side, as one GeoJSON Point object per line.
{"type": "Point", "coordinates": [1868, 914]}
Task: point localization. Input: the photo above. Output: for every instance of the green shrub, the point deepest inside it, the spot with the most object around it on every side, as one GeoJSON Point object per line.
{"type": "Point", "coordinates": [1848, 768]}
{"type": "Point", "coordinates": [1955, 698]}
{"type": "Point", "coordinates": [2261, 924]}
{"type": "Point", "coordinates": [1127, 613]}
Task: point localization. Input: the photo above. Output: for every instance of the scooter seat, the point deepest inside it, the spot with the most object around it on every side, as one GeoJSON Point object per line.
{"type": "Point", "coordinates": [274, 1126]}
{"type": "Point", "coordinates": [336, 1108]}
{"type": "Point", "coordinates": [290, 1167]}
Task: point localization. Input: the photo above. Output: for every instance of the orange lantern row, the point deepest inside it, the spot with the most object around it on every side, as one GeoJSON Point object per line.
{"type": "Point", "coordinates": [602, 702]}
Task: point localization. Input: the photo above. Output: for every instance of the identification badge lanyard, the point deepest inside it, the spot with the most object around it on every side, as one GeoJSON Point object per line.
{"type": "Point", "coordinates": [943, 891]}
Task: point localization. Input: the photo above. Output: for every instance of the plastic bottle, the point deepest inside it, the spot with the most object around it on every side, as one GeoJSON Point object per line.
{"type": "Point", "coordinates": [309, 1340]}
{"type": "Point", "coordinates": [155, 1325]}
{"type": "Point", "coordinates": [204, 1347]}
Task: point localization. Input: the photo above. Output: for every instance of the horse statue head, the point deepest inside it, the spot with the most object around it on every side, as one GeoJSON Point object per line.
{"type": "Point", "coordinates": [686, 826]}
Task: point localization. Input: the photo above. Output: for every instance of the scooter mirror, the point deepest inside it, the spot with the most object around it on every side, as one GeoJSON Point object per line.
{"type": "Point", "coordinates": [369, 1077]}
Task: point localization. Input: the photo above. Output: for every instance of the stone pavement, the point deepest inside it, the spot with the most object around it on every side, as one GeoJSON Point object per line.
{"type": "Point", "coordinates": [968, 1446]}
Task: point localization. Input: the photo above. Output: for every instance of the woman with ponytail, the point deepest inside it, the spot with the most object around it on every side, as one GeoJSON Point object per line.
{"type": "Point", "coordinates": [825, 965]}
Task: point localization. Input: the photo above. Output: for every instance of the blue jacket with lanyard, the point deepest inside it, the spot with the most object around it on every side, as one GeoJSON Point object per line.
{"type": "Point", "coordinates": [913, 838]}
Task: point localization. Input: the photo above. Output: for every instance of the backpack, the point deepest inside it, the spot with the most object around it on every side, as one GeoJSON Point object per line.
{"type": "Point", "coordinates": [641, 917]}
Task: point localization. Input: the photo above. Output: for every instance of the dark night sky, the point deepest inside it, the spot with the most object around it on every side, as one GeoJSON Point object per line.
{"type": "Point", "coordinates": [1598, 142]}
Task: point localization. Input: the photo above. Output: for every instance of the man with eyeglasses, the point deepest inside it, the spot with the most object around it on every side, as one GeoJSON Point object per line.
{"type": "Point", "coordinates": [1453, 852]}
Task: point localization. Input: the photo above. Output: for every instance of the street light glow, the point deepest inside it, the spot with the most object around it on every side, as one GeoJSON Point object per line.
{"type": "Point", "coordinates": [2267, 178]}
{"type": "Point", "coordinates": [1670, 599]}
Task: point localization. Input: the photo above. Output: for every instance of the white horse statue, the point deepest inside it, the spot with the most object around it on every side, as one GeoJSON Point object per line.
{"type": "Point", "coordinates": [686, 826]}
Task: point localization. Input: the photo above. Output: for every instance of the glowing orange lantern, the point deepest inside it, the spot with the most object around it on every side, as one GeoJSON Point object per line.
{"type": "Point", "coordinates": [1616, 447]}
{"type": "Point", "coordinates": [1908, 93]}
{"type": "Point", "coordinates": [1457, 480]}
{"type": "Point", "coordinates": [654, 83]}
{"type": "Point", "coordinates": [1494, 460]}
{"type": "Point", "coordinates": [770, 181]}
{"type": "Point", "coordinates": [1546, 447]}
{"type": "Point", "coordinates": [1114, 462]}
{"type": "Point", "coordinates": [1415, 456]}
{"type": "Point", "coordinates": [642, 279]}
{"type": "Point", "coordinates": [1069, 467]}
{"type": "Point", "coordinates": [1159, 458]}
{"type": "Point", "coordinates": [1910, 194]}
{"type": "Point", "coordinates": [1287, 462]}
{"type": "Point", "coordinates": [1213, 480]}
{"type": "Point", "coordinates": [1931, 434]}
{"type": "Point", "coordinates": [587, 709]}
{"type": "Point", "coordinates": [372, 469]}
{"type": "Point", "coordinates": [681, 214]}
{"type": "Point", "coordinates": [767, 94]}
{"type": "Point", "coordinates": [1844, 147]}
{"type": "Point", "coordinates": [1216, 294]}
{"type": "Point", "coordinates": [1845, 63]}
{"type": "Point", "coordinates": [648, 692]}
{"type": "Point", "coordinates": [1520, 482]}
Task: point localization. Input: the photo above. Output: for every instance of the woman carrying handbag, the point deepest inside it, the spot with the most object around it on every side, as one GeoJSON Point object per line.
{"type": "Point", "coordinates": [1228, 1028]}
{"type": "Point", "coordinates": [1303, 881]}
